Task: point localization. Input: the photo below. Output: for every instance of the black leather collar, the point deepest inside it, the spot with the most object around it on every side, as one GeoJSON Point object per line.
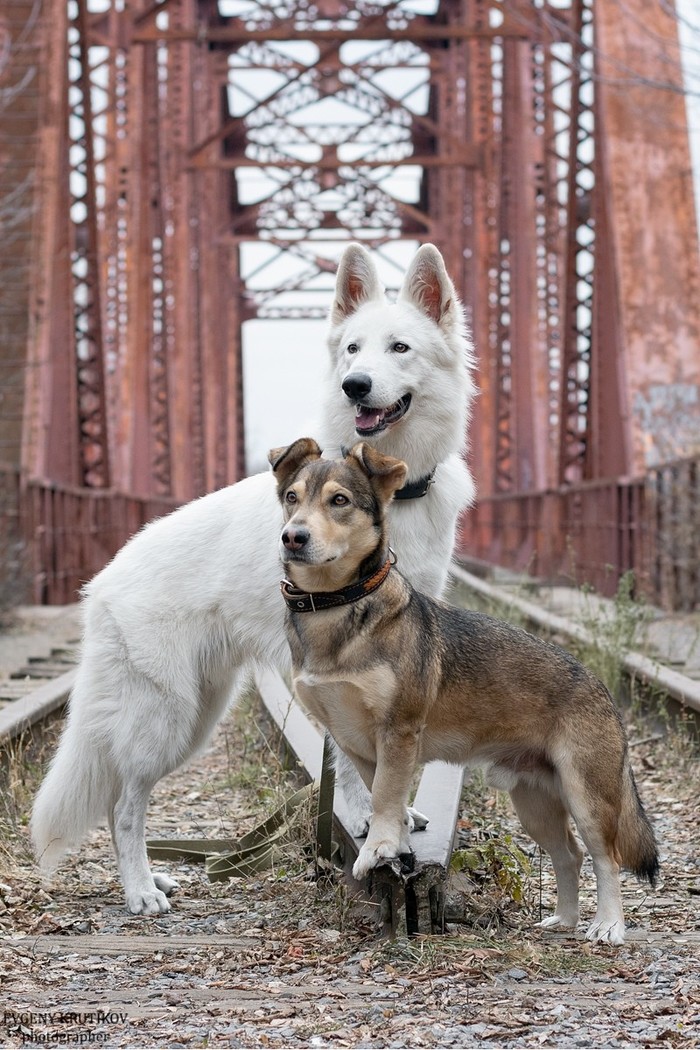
{"type": "Point", "coordinates": [416, 489]}
{"type": "Point", "coordinates": [304, 601]}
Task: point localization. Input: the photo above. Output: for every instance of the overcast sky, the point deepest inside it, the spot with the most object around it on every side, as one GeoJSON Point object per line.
{"type": "Point", "coordinates": [283, 365]}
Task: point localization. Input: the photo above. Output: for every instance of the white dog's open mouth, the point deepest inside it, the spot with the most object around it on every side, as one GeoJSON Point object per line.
{"type": "Point", "coordinates": [371, 420]}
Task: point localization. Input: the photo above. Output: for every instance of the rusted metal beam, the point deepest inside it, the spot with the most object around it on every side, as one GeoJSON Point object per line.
{"type": "Point", "coordinates": [417, 30]}
{"type": "Point", "coordinates": [143, 422]}
{"type": "Point", "coordinates": [172, 324]}
{"type": "Point", "coordinates": [87, 297]}
{"type": "Point", "coordinates": [20, 81]}
{"type": "Point", "coordinates": [467, 156]}
{"type": "Point", "coordinates": [476, 272]}
{"type": "Point", "coordinates": [652, 235]}
{"type": "Point", "coordinates": [579, 290]}
{"type": "Point", "coordinates": [520, 422]}
{"type": "Point", "coordinates": [50, 424]}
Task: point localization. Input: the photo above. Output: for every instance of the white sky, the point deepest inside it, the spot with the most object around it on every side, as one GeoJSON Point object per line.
{"type": "Point", "coordinates": [689, 35]}
{"type": "Point", "coordinates": [283, 367]}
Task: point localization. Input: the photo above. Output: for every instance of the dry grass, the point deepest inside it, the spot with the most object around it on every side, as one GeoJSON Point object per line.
{"type": "Point", "coordinates": [482, 955]}
{"type": "Point", "coordinates": [22, 765]}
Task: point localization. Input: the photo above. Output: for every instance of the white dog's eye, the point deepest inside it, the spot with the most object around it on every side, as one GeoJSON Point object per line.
{"type": "Point", "coordinates": [353, 348]}
{"type": "Point", "coordinates": [291, 497]}
{"type": "Point", "coordinates": [400, 348]}
{"type": "Point", "coordinates": [339, 500]}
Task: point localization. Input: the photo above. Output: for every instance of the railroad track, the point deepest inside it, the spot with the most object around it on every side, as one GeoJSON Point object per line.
{"type": "Point", "coordinates": [411, 900]}
{"type": "Point", "coordinates": [36, 690]}
{"type": "Point", "coordinates": [259, 962]}
{"type": "Point", "coordinates": [41, 684]}
{"type": "Point", "coordinates": [667, 682]}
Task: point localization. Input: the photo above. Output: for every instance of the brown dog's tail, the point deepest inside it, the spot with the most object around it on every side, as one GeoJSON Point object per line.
{"type": "Point", "coordinates": [635, 839]}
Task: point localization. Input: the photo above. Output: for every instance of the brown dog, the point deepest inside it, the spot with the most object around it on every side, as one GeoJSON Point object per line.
{"type": "Point", "coordinates": [399, 679]}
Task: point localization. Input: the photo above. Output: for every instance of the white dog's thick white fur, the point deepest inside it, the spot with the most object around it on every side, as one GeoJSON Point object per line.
{"type": "Point", "coordinates": [193, 599]}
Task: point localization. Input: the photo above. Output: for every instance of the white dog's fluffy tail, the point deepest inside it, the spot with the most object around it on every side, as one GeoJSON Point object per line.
{"type": "Point", "coordinates": [73, 798]}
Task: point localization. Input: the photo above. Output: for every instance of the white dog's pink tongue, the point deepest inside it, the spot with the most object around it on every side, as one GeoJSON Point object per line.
{"type": "Point", "coordinates": [368, 418]}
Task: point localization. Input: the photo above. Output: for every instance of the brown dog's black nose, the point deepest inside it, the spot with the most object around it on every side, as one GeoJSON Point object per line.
{"type": "Point", "coordinates": [295, 537]}
{"type": "Point", "coordinates": [357, 385]}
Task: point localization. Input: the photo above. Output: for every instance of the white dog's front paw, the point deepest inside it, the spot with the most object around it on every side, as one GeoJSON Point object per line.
{"type": "Point", "coordinates": [358, 823]}
{"type": "Point", "coordinates": [417, 821]}
{"type": "Point", "coordinates": [558, 919]}
{"type": "Point", "coordinates": [372, 855]}
{"type": "Point", "coordinates": [147, 902]}
{"type": "Point", "coordinates": [606, 931]}
{"type": "Point", "coordinates": [165, 883]}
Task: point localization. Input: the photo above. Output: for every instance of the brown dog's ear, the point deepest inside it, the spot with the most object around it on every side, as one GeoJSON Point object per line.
{"type": "Point", "coordinates": [286, 462]}
{"type": "Point", "coordinates": [386, 473]}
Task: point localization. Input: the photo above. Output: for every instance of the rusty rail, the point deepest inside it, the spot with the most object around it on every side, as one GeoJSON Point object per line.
{"type": "Point", "coordinates": [665, 682]}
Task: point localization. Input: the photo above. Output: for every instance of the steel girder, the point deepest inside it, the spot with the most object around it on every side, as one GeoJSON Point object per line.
{"type": "Point", "coordinates": [589, 344]}
{"type": "Point", "coordinates": [554, 178]}
{"type": "Point", "coordinates": [136, 336]}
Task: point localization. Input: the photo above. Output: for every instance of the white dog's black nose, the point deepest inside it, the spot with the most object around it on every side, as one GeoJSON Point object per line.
{"type": "Point", "coordinates": [295, 537]}
{"type": "Point", "coordinates": [357, 385]}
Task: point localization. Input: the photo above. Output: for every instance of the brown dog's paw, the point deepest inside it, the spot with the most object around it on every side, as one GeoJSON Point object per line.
{"type": "Point", "coordinates": [372, 855]}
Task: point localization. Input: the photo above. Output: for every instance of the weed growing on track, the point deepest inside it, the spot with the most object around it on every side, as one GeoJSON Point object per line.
{"type": "Point", "coordinates": [21, 770]}
{"type": "Point", "coordinates": [613, 629]}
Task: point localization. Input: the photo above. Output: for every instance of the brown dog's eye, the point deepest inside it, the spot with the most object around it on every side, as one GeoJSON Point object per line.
{"type": "Point", "coordinates": [339, 500]}
{"type": "Point", "coordinates": [291, 497]}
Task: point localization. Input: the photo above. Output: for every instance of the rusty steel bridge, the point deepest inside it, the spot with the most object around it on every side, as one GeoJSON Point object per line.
{"type": "Point", "coordinates": [541, 144]}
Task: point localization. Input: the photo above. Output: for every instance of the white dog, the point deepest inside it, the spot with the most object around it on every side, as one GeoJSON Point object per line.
{"type": "Point", "coordinates": [193, 599]}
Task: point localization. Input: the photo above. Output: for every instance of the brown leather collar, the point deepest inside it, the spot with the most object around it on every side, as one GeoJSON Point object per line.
{"type": "Point", "coordinates": [304, 601]}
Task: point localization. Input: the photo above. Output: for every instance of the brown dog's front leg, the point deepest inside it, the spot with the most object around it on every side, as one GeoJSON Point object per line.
{"type": "Point", "coordinates": [397, 755]}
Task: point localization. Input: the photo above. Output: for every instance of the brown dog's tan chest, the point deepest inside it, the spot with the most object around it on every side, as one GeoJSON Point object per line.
{"type": "Point", "coordinates": [351, 706]}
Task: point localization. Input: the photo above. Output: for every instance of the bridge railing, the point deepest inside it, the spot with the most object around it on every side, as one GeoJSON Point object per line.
{"type": "Point", "coordinates": [594, 532]}
{"type": "Point", "coordinates": [53, 538]}
{"type": "Point", "coordinates": [675, 568]}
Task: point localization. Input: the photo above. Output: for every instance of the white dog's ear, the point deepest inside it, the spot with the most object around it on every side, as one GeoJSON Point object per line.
{"type": "Point", "coordinates": [428, 286]}
{"type": "Point", "coordinates": [357, 283]}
